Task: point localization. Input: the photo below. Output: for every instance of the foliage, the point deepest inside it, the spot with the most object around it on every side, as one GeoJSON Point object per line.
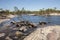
{"type": "Point", "coordinates": [23, 11]}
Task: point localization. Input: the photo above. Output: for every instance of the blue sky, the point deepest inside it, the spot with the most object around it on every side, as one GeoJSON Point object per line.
{"type": "Point", "coordinates": [29, 4]}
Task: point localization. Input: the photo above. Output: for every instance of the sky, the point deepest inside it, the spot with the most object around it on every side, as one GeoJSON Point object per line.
{"type": "Point", "coordinates": [29, 4]}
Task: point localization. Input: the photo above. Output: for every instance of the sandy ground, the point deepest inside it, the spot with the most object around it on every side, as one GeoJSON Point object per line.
{"type": "Point", "coordinates": [8, 18]}
{"type": "Point", "coordinates": [11, 16]}
{"type": "Point", "coordinates": [46, 33]}
{"type": "Point", "coordinates": [2, 20]}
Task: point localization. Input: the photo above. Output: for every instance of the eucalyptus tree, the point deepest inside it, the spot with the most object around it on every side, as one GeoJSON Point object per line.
{"type": "Point", "coordinates": [16, 10]}
{"type": "Point", "coordinates": [1, 9]}
{"type": "Point", "coordinates": [55, 9]}
{"type": "Point", "coordinates": [41, 12]}
{"type": "Point", "coordinates": [23, 10]}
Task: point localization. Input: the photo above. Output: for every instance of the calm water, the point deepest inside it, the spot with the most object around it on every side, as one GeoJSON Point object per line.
{"type": "Point", "coordinates": [34, 19]}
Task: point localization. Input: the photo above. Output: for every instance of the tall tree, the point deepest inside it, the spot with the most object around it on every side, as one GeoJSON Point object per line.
{"type": "Point", "coordinates": [16, 8]}
{"type": "Point", "coordinates": [23, 10]}
{"type": "Point", "coordinates": [1, 9]}
{"type": "Point", "coordinates": [7, 12]}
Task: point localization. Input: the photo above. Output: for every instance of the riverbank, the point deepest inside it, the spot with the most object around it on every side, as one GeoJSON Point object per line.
{"type": "Point", "coordinates": [35, 19]}
{"type": "Point", "coordinates": [25, 30]}
{"type": "Point", "coordinates": [8, 17]}
{"type": "Point", "coordinates": [51, 14]}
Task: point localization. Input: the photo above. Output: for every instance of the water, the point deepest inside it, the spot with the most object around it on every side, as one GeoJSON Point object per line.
{"type": "Point", "coordinates": [37, 19]}
{"type": "Point", "coordinates": [34, 19]}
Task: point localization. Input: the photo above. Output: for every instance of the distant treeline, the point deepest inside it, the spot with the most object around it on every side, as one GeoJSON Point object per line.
{"type": "Point", "coordinates": [23, 11]}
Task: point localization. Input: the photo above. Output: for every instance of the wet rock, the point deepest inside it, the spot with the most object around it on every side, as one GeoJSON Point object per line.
{"type": "Point", "coordinates": [12, 35]}
{"type": "Point", "coordinates": [23, 28]}
{"type": "Point", "coordinates": [2, 36]}
{"type": "Point", "coordinates": [31, 25]}
{"type": "Point", "coordinates": [42, 23]}
{"type": "Point", "coordinates": [24, 23]}
{"type": "Point", "coordinates": [12, 23]}
{"type": "Point", "coordinates": [18, 33]}
{"type": "Point", "coordinates": [8, 38]}
{"type": "Point", "coordinates": [18, 30]}
{"type": "Point", "coordinates": [17, 25]}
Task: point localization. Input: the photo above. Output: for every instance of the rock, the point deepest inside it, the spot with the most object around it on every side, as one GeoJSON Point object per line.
{"type": "Point", "coordinates": [2, 34]}
{"type": "Point", "coordinates": [12, 23]}
{"type": "Point", "coordinates": [42, 23]}
{"type": "Point", "coordinates": [17, 25]}
{"type": "Point", "coordinates": [52, 35]}
{"type": "Point", "coordinates": [18, 33]}
{"type": "Point", "coordinates": [8, 38]}
{"type": "Point", "coordinates": [31, 25]}
{"type": "Point", "coordinates": [23, 28]}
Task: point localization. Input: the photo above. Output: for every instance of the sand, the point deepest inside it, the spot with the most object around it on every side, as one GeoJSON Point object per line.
{"type": "Point", "coordinates": [8, 18]}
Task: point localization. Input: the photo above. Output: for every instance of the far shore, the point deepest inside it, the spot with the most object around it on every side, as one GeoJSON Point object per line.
{"type": "Point", "coordinates": [51, 14]}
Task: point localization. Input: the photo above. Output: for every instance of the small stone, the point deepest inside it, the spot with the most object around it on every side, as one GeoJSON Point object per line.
{"type": "Point", "coordinates": [2, 34]}
{"type": "Point", "coordinates": [7, 38]}
{"type": "Point", "coordinates": [18, 33]}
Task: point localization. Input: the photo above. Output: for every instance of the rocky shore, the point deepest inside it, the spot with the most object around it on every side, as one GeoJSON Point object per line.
{"type": "Point", "coordinates": [46, 33]}
{"type": "Point", "coordinates": [17, 30]}
{"type": "Point", "coordinates": [7, 17]}
{"type": "Point", "coordinates": [25, 30]}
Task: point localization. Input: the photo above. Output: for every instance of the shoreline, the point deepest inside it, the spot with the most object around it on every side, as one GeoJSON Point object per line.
{"type": "Point", "coordinates": [40, 32]}
{"type": "Point", "coordinates": [7, 18]}
{"type": "Point", "coordinates": [43, 33]}
{"type": "Point", "coordinates": [12, 16]}
{"type": "Point", "coordinates": [51, 14]}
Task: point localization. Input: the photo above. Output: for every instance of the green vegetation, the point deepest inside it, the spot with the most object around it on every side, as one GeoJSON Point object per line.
{"type": "Point", "coordinates": [23, 11]}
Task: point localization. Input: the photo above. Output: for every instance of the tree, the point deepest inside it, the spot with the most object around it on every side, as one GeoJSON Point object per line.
{"type": "Point", "coordinates": [7, 12]}
{"type": "Point", "coordinates": [23, 10]}
{"type": "Point", "coordinates": [16, 9]}
{"type": "Point", "coordinates": [55, 9]}
{"type": "Point", "coordinates": [1, 9]}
